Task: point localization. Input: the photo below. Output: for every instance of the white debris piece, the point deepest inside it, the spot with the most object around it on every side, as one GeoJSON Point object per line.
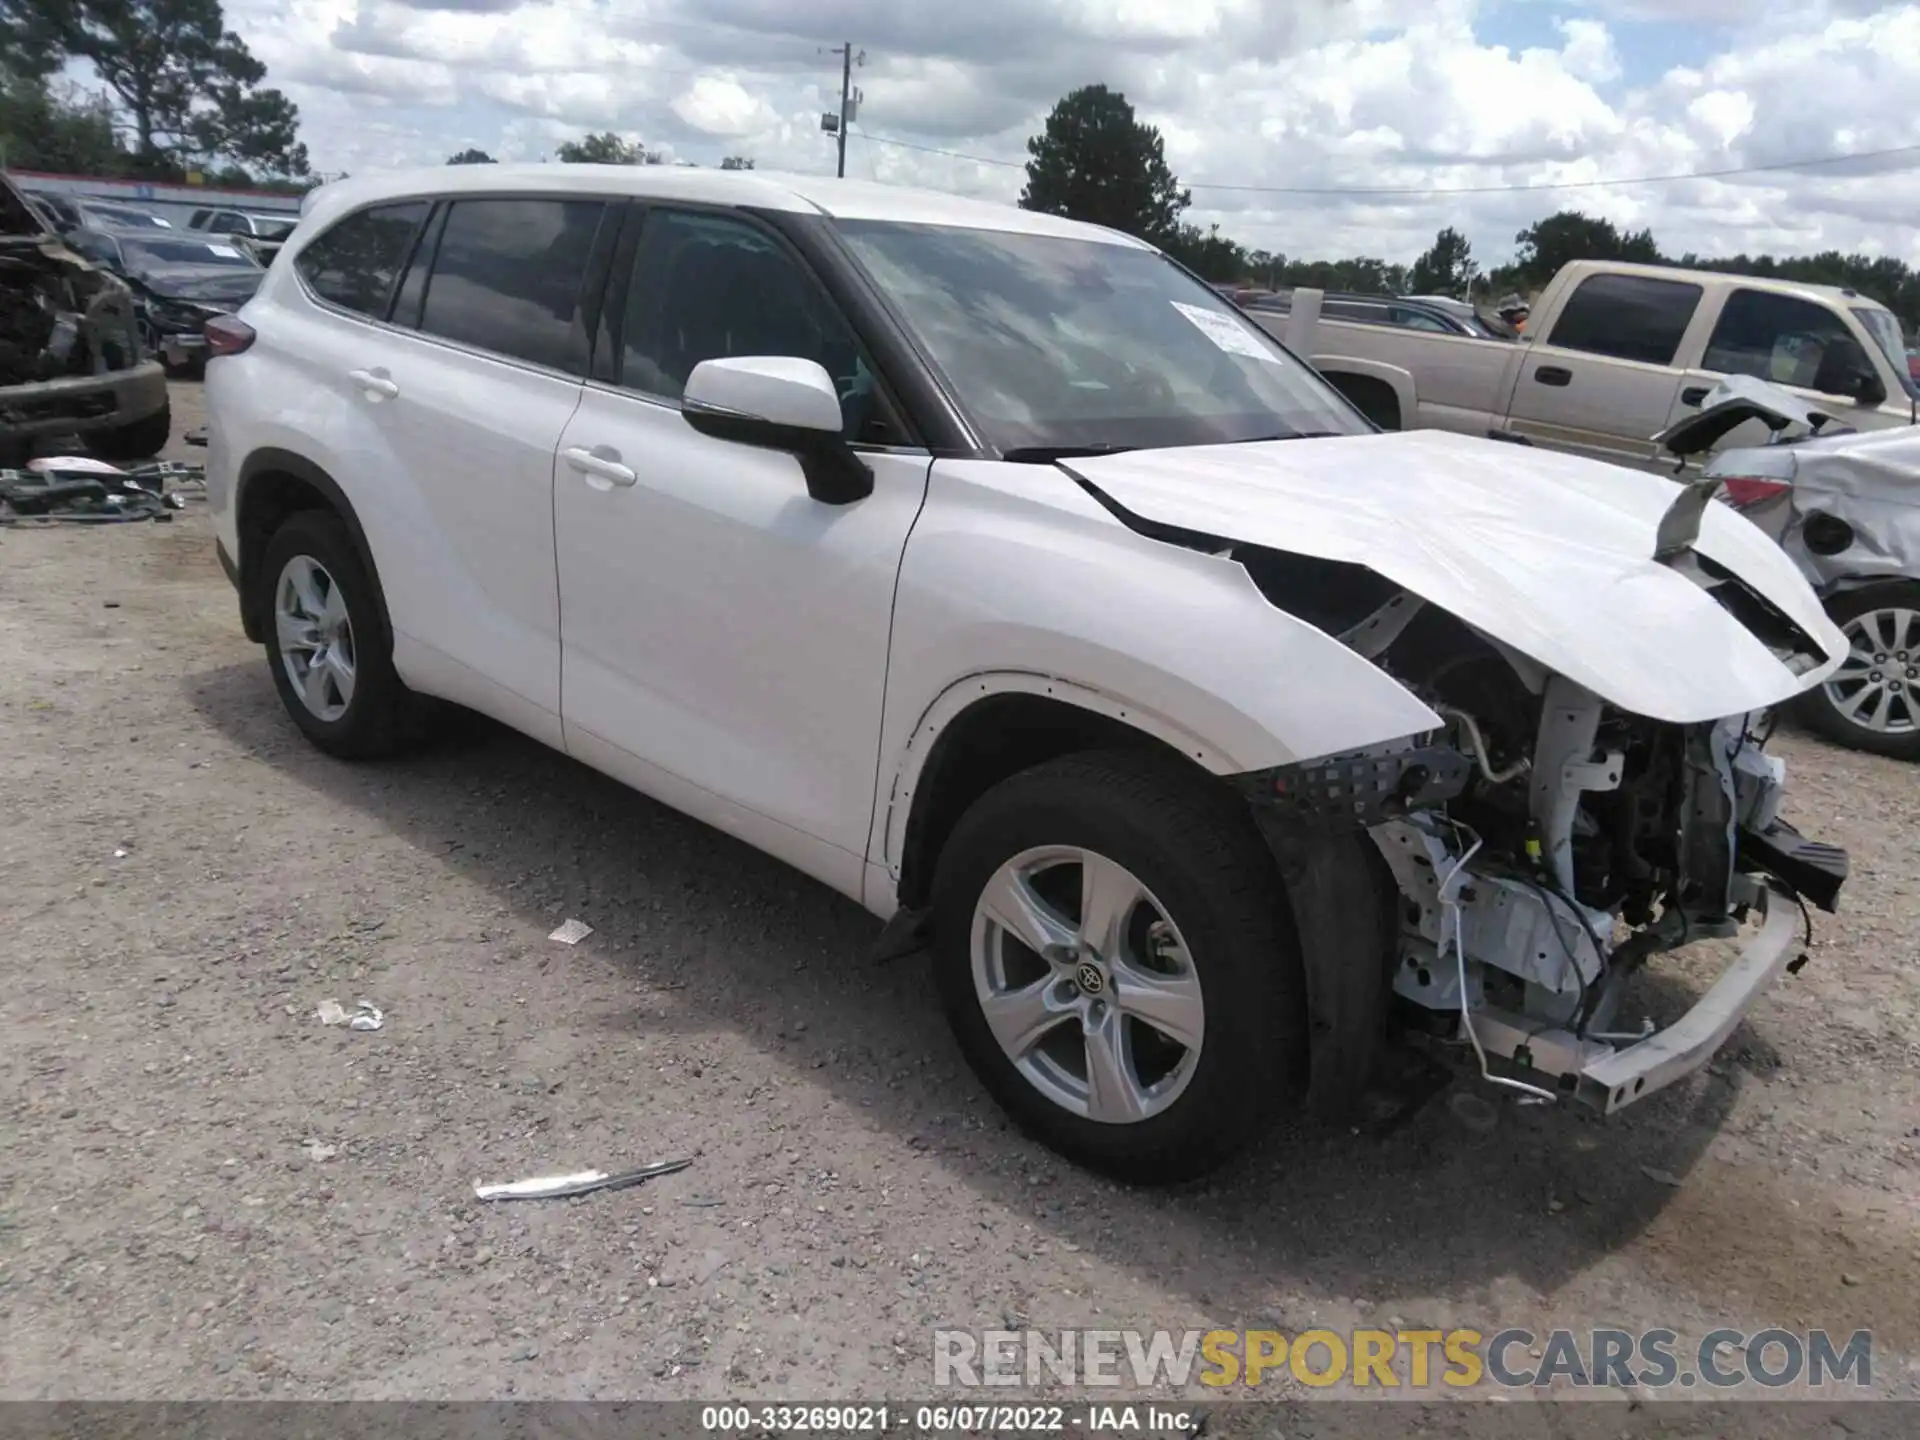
{"type": "Point", "coordinates": [330, 1013]}
{"type": "Point", "coordinates": [572, 933]}
{"type": "Point", "coordinates": [367, 1017]}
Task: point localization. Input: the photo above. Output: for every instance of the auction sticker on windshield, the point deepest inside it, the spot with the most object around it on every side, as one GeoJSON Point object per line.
{"type": "Point", "coordinates": [1224, 331]}
{"type": "Point", "coordinates": [226, 250]}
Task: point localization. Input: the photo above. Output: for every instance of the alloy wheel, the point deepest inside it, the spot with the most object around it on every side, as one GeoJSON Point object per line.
{"type": "Point", "coordinates": [1087, 984]}
{"type": "Point", "coordinates": [1877, 687]}
{"type": "Point", "coordinates": [315, 635]}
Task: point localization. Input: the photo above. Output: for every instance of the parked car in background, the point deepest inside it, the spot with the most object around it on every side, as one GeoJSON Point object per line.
{"type": "Point", "coordinates": [1434, 315]}
{"type": "Point", "coordinates": [1614, 354]}
{"type": "Point", "coordinates": [96, 215]}
{"type": "Point", "coordinates": [243, 222]}
{"type": "Point", "coordinates": [56, 212]}
{"type": "Point", "coordinates": [992, 570]}
{"type": "Point", "coordinates": [1846, 506]}
{"type": "Point", "coordinates": [71, 360]}
{"type": "Point", "coordinates": [179, 284]}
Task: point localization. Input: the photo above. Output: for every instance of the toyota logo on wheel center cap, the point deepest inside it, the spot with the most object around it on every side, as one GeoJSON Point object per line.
{"type": "Point", "coordinates": [1089, 978]}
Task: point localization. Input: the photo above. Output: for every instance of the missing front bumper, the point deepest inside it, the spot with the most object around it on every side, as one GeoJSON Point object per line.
{"type": "Point", "coordinates": [1609, 1077]}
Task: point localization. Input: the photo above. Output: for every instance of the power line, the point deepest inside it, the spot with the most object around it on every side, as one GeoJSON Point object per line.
{"type": "Point", "coordinates": [1457, 189]}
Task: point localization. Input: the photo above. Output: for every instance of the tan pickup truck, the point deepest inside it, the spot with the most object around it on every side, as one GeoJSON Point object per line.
{"type": "Point", "coordinates": [1614, 354]}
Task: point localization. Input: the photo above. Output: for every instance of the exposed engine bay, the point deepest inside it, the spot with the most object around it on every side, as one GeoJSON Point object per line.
{"type": "Point", "coordinates": [1547, 844]}
{"type": "Point", "coordinates": [59, 316]}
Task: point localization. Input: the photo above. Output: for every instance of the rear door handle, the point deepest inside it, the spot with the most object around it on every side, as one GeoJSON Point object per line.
{"type": "Point", "coordinates": [1553, 375]}
{"type": "Point", "coordinates": [377, 383]}
{"type": "Point", "coordinates": [1693, 395]}
{"type": "Point", "coordinates": [603, 466]}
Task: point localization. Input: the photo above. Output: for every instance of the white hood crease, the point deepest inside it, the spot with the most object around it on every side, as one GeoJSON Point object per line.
{"type": "Point", "coordinates": [1551, 554]}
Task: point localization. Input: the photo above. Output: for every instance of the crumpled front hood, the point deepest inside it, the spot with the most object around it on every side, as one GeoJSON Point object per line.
{"type": "Point", "coordinates": [1551, 554]}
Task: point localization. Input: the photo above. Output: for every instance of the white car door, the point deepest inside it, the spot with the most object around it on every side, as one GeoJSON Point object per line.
{"type": "Point", "coordinates": [724, 635]}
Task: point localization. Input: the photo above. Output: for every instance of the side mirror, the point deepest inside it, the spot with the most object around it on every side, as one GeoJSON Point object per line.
{"type": "Point", "coordinates": [779, 402]}
{"type": "Point", "coordinates": [1846, 370]}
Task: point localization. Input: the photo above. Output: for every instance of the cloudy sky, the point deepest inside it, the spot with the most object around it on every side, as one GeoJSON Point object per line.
{"type": "Point", "coordinates": [1263, 102]}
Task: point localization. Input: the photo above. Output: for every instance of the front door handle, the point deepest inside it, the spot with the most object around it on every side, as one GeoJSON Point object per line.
{"type": "Point", "coordinates": [600, 464]}
{"type": "Point", "coordinates": [377, 384]}
{"type": "Point", "coordinates": [1693, 395]}
{"type": "Point", "coordinates": [1553, 375]}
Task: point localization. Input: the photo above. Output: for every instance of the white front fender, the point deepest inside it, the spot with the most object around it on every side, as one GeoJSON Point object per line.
{"type": "Point", "coordinates": [1016, 580]}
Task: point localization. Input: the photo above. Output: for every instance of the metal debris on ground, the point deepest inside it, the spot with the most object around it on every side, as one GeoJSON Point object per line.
{"type": "Point", "coordinates": [366, 1015]}
{"type": "Point", "coordinates": [79, 490]}
{"type": "Point", "coordinates": [585, 1182]}
{"type": "Point", "coordinates": [572, 933]}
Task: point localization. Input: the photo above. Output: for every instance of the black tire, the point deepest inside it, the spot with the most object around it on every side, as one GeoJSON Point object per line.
{"type": "Point", "coordinates": [141, 440]}
{"type": "Point", "coordinates": [1817, 710]}
{"type": "Point", "coordinates": [382, 716]}
{"type": "Point", "coordinates": [1194, 846]}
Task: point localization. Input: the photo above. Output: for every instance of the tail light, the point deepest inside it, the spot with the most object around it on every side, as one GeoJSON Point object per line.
{"type": "Point", "coordinates": [1743, 492]}
{"type": "Point", "coordinates": [227, 335]}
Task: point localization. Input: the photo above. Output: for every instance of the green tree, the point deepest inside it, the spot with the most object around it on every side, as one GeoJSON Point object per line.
{"type": "Point", "coordinates": [736, 162]}
{"type": "Point", "coordinates": [1208, 253]}
{"type": "Point", "coordinates": [470, 156]}
{"type": "Point", "coordinates": [1446, 269]}
{"type": "Point", "coordinates": [1096, 162]}
{"type": "Point", "coordinates": [606, 148]}
{"type": "Point", "coordinates": [49, 127]}
{"type": "Point", "coordinates": [190, 87]}
{"type": "Point", "coordinates": [1547, 245]}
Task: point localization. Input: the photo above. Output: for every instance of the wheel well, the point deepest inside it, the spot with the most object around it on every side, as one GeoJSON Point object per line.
{"type": "Point", "coordinates": [990, 741]}
{"type": "Point", "coordinates": [1372, 396]}
{"type": "Point", "coordinates": [273, 488]}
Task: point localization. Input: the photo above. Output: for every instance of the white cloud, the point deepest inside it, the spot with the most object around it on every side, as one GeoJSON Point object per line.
{"type": "Point", "coordinates": [1426, 95]}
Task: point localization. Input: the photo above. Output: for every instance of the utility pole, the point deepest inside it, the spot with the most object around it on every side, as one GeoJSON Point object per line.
{"type": "Point", "coordinates": [849, 100]}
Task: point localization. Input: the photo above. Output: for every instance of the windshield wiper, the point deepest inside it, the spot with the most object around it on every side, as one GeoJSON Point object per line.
{"type": "Point", "coordinates": [1047, 454]}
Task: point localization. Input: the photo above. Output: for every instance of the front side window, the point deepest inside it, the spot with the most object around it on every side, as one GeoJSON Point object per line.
{"type": "Point", "coordinates": [355, 263]}
{"type": "Point", "coordinates": [1779, 338]}
{"type": "Point", "coordinates": [710, 287]}
{"type": "Point", "coordinates": [1054, 342]}
{"type": "Point", "coordinates": [1629, 317]}
{"type": "Point", "coordinates": [507, 275]}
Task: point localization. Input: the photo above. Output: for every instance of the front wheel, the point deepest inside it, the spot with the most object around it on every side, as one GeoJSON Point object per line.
{"type": "Point", "coordinates": [1872, 702]}
{"type": "Point", "coordinates": [1115, 958]}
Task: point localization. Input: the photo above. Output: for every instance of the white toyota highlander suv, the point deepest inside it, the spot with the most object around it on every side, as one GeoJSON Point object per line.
{"type": "Point", "coordinates": [993, 570]}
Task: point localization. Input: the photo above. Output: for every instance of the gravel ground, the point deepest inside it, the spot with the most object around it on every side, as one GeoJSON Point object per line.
{"type": "Point", "coordinates": [207, 1193]}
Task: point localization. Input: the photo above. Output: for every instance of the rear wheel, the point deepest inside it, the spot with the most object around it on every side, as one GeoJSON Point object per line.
{"type": "Point", "coordinates": [1872, 702]}
{"type": "Point", "coordinates": [327, 645]}
{"type": "Point", "coordinates": [1114, 956]}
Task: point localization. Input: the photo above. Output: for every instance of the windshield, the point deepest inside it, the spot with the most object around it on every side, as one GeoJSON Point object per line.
{"type": "Point", "coordinates": [185, 252]}
{"type": "Point", "coordinates": [1885, 331]}
{"type": "Point", "coordinates": [1057, 343]}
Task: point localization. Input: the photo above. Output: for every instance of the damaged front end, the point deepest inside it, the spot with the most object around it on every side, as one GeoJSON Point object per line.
{"type": "Point", "coordinates": [71, 359]}
{"type": "Point", "coordinates": [59, 316]}
{"type": "Point", "coordinates": [1546, 845]}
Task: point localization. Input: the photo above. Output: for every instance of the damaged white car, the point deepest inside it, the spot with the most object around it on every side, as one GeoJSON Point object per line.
{"type": "Point", "coordinates": [1845, 504]}
{"type": "Point", "coordinates": [992, 570]}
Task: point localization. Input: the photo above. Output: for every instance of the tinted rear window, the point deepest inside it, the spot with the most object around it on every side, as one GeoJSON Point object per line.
{"type": "Point", "coordinates": [507, 277]}
{"type": "Point", "coordinates": [355, 263]}
{"type": "Point", "coordinates": [1629, 317]}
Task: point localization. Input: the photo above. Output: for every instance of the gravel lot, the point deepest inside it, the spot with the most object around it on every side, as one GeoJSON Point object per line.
{"type": "Point", "coordinates": [206, 1193]}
